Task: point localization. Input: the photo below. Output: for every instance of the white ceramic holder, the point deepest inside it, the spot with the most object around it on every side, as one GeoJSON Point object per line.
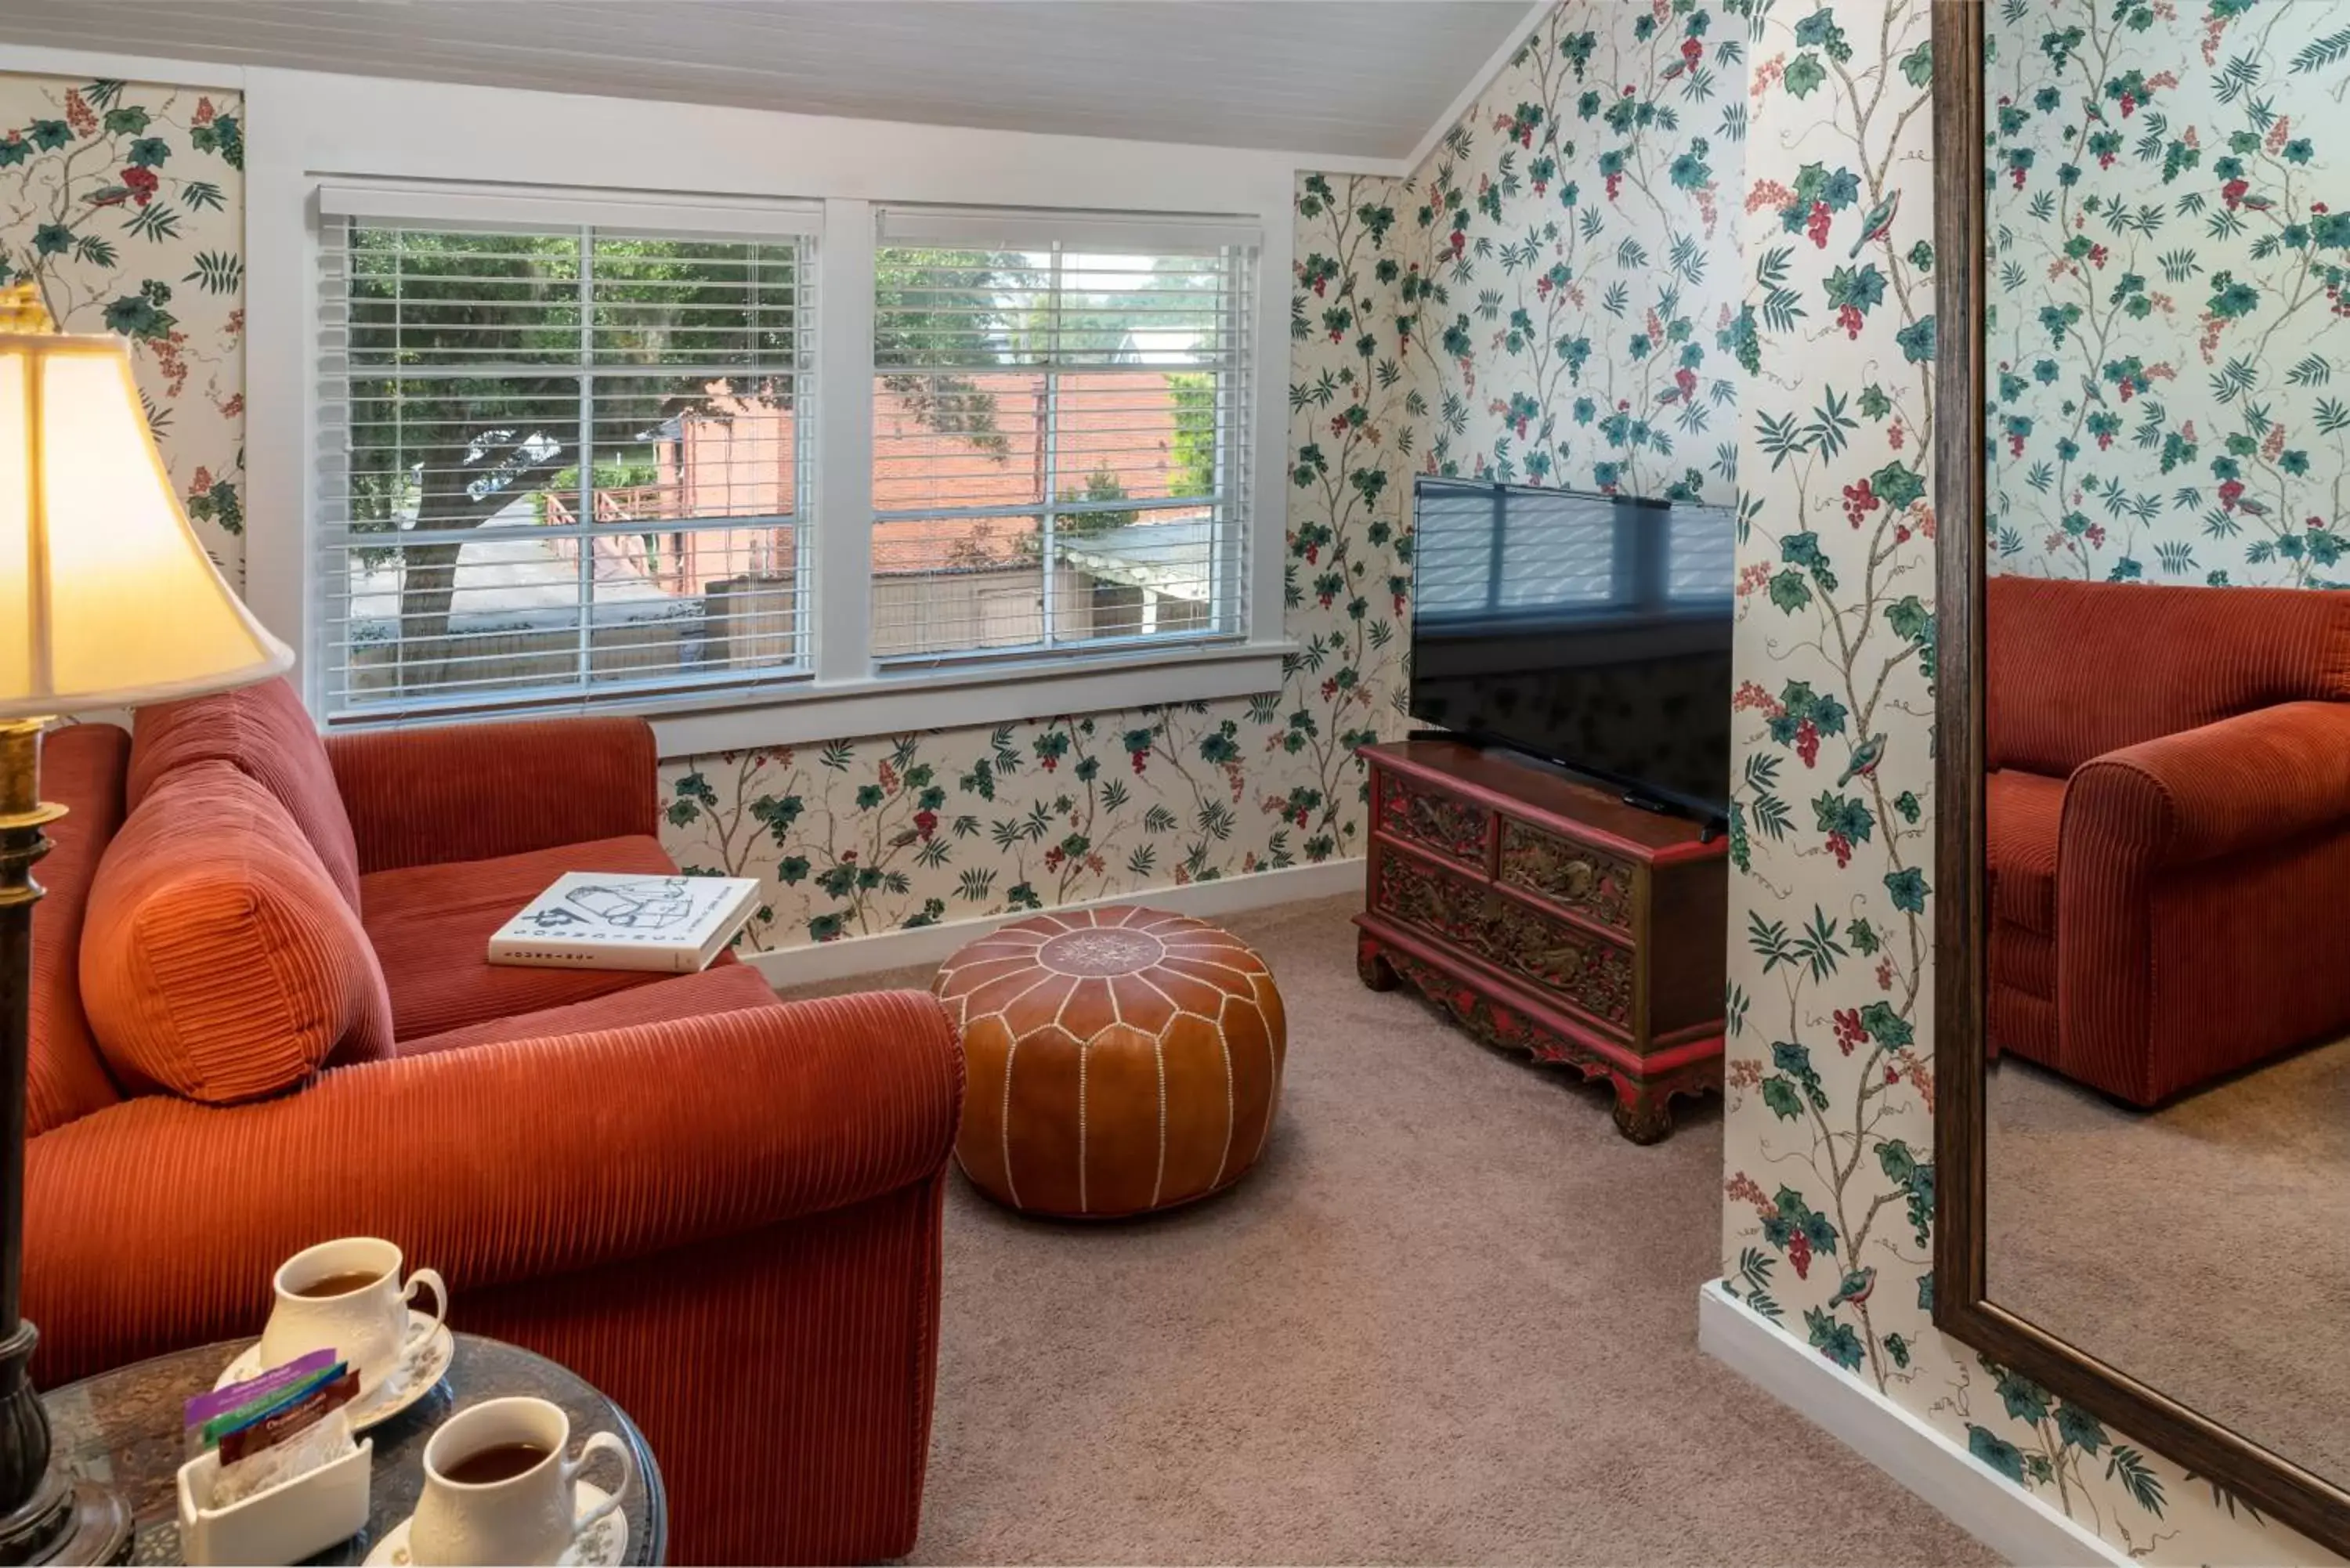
{"type": "Point", "coordinates": [289, 1522]}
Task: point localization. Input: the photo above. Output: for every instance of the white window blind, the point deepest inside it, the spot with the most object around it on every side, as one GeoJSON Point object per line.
{"type": "Point", "coordinates": [1060, 432]}
{"type": "Point", "coordinates": [562, 460]}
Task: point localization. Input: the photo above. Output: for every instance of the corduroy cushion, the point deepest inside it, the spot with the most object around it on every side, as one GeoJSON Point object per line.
{"type": "Point", "coordinates": [2078, 670]}
{"type": "Point", "coordinates": [81, 770]}
{"type": "Point", "coordinates": [218, 961]}
{"type": "Point", "coordinates": [264, 732]}
{"type": "Point", "coordinates": [416, 796]}
{"type": "Point", "coordinates": [430, 926]}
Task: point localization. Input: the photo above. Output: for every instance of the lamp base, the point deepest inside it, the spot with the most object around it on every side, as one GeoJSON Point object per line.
{"type": "Point", "coordinates": [68, 1522]}
{"type": "Point", "coordinates": [62, 1520]}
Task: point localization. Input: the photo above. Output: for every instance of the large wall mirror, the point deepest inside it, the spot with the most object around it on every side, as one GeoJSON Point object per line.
{"type": "Point", "coordinates": [2143, 1016]}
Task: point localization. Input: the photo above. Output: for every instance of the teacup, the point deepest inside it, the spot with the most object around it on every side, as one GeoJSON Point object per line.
{"type": "Point", "coordinates": [349, 1296]}
{"type": "Point", "coordinates": [524, 1508]}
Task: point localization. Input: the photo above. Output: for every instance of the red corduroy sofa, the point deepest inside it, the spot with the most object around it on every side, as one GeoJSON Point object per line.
{"type": "Point", "coordinates": [2169, 834]}
{"type": "Point", "coordinates": [723, 1211]}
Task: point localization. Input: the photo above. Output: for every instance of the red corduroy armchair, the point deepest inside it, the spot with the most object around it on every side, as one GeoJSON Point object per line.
{"type": "Point", "coordinates": [722, 1210]}
{"type": "Point", "coordinates": [2168, 834]}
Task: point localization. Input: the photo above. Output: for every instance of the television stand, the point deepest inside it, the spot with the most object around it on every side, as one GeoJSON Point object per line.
{"type": "Point", "coordinates": [1711, 824]}
{"type": "Point", "coordinates": [1549, 916]}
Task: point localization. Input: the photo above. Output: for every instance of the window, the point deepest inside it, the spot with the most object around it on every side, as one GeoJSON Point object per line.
{"type": "Point", "coordinates": [574, 451]}
{"type": "Point", "coordinates": [1060, 434]}
{"type": "Point", "coordinates": [565, 449]}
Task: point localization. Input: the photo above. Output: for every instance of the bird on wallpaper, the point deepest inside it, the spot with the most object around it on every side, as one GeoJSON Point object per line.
{"type": "Point", "coordinates": [1865, 758]}
{"type": "Point", "coordinates": [1856, 1287]}
{"type": "Point", "coordinates": [1879, 219]}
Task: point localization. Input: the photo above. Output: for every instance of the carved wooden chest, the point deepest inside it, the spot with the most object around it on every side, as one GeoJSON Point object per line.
{"type": "Point", "coordinates": [1546, 915]}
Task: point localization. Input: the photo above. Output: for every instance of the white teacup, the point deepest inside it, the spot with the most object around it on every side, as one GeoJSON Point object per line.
{"type": "Point", "coordinates": [366, 1324]}
{"type": "Point", "coordinates": [527, 1516]}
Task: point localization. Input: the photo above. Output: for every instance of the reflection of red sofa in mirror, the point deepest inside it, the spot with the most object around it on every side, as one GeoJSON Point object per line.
{"type": "Point", "coordinates": [2169, 839]}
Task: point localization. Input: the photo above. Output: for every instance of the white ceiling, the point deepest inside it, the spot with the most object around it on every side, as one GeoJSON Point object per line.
{"type": "Point", "coordinates": [1331, 76]}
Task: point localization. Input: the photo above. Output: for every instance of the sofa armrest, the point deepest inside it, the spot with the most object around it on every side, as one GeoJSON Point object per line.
{"type": "Point", "coordinates": [2260, 778]}
{"type": "Point", "coordinates": [472, 791]}
{"type": "Point", "coordinates": [2134, 816]}
{"type": "Point", "coordinates": [157, 1222]}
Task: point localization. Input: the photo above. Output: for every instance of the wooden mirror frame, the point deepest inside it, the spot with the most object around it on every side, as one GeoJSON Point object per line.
{"type": "Point", "coordinates": [1962, 1308]}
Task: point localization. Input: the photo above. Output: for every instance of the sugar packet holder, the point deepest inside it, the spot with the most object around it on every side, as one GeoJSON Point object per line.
{"type": "Point", "coordinates": [296, 1519]}
{"type": "Point", "coordinates": [274, 1475]}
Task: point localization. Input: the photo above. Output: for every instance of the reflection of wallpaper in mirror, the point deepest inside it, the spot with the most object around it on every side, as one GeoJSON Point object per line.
{"type": "Point", "coordinates": [2170, 367]}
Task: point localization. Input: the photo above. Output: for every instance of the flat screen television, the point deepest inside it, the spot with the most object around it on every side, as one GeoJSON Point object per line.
{"type": "Point", "coordinates": [1589, 630]}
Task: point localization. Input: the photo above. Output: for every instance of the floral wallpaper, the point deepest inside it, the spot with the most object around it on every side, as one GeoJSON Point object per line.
{"type": "Point", "coordinates": [1828, 1141]}
{"type": "Point", "coordinates": [124, 203]}
{"type": "Point", "coordinates": [1584, 308]}
{"type": "Point", "coordinates": [2168, 276]}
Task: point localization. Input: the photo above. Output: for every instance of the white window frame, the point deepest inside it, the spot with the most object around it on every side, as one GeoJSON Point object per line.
{"type": "Point", "coordinates": [506, 147]}
{"type": "Point", "coordinates": [458, 208]}
{"type": "Point", "coordinates": [1062, 234]}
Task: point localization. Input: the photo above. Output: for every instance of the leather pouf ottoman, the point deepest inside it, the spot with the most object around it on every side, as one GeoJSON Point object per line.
{"type": "Point", "coordinates": [1120, 1060]}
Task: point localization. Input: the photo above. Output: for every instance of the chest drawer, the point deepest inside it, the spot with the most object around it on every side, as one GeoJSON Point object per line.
{"type": "Point", "coordinates": [1586, 970]}
{"type": "Point", "coordinates": [1446, 824]}
{"type": "Point", "coordinates": [1572, 876]}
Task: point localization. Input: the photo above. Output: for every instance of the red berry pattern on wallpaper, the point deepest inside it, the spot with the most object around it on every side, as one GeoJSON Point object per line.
{"type": "Point", "coordinates": [124, 203]}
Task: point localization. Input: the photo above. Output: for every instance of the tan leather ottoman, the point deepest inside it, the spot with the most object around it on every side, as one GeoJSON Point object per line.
{"type": "Point", "coordinates": [1120, 1060]}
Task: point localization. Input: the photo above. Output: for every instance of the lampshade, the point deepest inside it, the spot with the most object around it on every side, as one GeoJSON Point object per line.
{"type": "Point", "coordinates": [107, 600]}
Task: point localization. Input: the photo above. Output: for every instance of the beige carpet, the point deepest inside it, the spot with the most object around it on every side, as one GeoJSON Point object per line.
{"type": "Point", "coordinates": [2204, 1248]}
{"type": "Point", "coordinates": [1451, 1317]}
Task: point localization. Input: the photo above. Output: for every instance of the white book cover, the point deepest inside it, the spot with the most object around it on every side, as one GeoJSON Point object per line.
{"type": "Point", "coordinates": [606, 919]}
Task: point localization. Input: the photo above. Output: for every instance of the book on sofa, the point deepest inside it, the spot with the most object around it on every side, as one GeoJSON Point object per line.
{"type": "Point", "coordinates": [599, 919]}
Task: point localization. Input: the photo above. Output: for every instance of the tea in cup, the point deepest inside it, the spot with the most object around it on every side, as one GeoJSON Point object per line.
{"type": "Point", "coordinates": [349, 1296]}
{"type": "Point", "coordinates": [500, 1486]}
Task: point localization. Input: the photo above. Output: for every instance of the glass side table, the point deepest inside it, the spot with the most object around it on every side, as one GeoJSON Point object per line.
{"type": "Point", "coordinates": [123, 1427]}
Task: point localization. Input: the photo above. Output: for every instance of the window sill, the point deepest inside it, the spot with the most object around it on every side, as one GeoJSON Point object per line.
{"type": "Point", "coordinates": [958, 696]}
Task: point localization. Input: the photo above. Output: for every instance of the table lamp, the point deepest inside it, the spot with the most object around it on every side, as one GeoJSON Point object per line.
{"type": "Point", "coordinates": [107, 601]}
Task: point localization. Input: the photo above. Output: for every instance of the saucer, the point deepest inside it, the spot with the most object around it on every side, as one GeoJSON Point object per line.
{"type": "Point", "coordinates": [418, 1373]}
{"type": "Point", "coordinates": [605, 1543]}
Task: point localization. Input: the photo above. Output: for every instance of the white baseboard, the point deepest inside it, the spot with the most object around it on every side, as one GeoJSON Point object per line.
{"type": "Point", "coordinates": [931, 944]}
{"type": "Point", "coordinates": [2012, 1522]}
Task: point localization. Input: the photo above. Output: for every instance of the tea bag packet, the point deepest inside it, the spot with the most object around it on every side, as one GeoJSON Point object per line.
{"type": "Point", "coordinates": [281, 1425]}
{"type": "Point", "coordinates": [205, 1412]}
